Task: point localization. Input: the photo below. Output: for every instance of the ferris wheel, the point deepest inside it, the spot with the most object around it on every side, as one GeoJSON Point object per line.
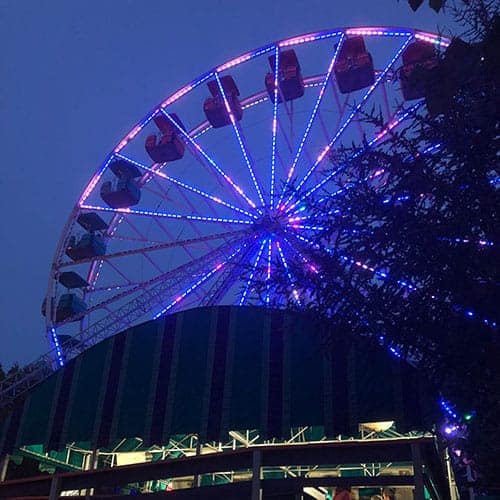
{"type": "Point", "coordinates": [208, 192]}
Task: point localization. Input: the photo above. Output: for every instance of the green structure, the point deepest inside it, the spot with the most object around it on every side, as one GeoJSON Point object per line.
{"type": "Point", "coordinates": [212, 380]}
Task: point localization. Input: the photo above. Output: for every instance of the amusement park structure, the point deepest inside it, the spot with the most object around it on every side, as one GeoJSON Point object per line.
{"type": "Point", "coordinates": [206, 195]}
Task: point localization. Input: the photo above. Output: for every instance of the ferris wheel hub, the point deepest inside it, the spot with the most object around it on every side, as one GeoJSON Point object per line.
{"type": "Point", "coordinates": [272, 222]}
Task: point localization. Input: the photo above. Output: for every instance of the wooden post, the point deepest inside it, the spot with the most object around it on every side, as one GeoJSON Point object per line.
{"type": "Point", "coordinates": [256, 486]}
{"type": "Point", "coordinates": [418, 471]}
{"type": "Point", "coordinates": [55, 487]}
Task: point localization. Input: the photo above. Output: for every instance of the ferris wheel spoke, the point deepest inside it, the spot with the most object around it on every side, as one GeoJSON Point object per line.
{"type": "Point", "coordinates": [137, 231]}
{"type": "Point", "coordinates": [309, 265]}
{"type": "Point", "coordinates": [118, 271]}
{"type": "Point", "coordinates": [311, 118]}
{"type": "Point", "coordinates": [111, 287]}
{"type": "Point", "coordinates": [165, 215]}
{"type": "Point", "coordinates": [240, 139]}
{"type": "Point", "coordinates": [269, 269]}
{"type": "Point", "coordinates": [227, 278]}
{"type": "Point", "coordinates": [158, 174]}
{"type": "Point", "coordinates": [352, 115]}
{"type": "Point", "coordinates": [200, 281]}
{"type": "Point", "coordinates": [374, 140]}
{"type": "Point", "coordinates": [284, 263]}
{"type": "Point", "coordinates": [252, 273]}
{"type": "Point", "coordinates": [160, 246]}
{"type": "Point", "coordinates": [150, 293]}
{"type": "Point", "coordinates": [275, 124]}
{"type": "Point", "coordinates": [200, 153]}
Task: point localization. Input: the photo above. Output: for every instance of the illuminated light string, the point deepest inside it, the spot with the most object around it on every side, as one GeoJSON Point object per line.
{"type": "Point", "coordinates": [275, 124]}
{"type": "Point", "coordinates": [312, 37]}
{"type": "Point", "coordinates": [403, 283]}
{"type": "Point", "coordinates": [310, 266]}
{"type": "Point", "coordinates": [373, 141]}
{"type": "Point", "coordinates": [186, 89]}
{"type": "Point", "coordinates": [245, 57]}
{"type": "Point", "coordinates": [237, 133]}
{"type": "Point", "coordinates": [252, 274]}
{"type": "Point", "coordinates": [377, 32]}
{"type": "Point", "coordinates": [134, 132]}
{"type": "Point", "coordinates": [186, 186]}
{"type": "Point", "coordinates": [150, 213]}
{"type": "Point", "coordinates": [199, 282]}
{"type": "Point", "coordinates": [448, 408]}
{"type": "Point", "coordinates": [295, 293]}
{"type": "Point", "coordinates": [312, 117]}
{"type": "Point", "coordinates": [377, 173]}
{"type": "Point", "coordinates": [55, 340]}
{"type": "Point", "coordinates": [351, 117]}
{"type": "Point", "coordinates": [93, 183]}
{"type": "Point", "coordinates": [467, 241]}
{"type": "Point", "coordinates": [210, 160]}
{"type": "Point", "coordinates": [269, 265]}
{"type": "Point", "coordinates": [429, 37]}
{"type": "Point", "coordinates": [310, 228]}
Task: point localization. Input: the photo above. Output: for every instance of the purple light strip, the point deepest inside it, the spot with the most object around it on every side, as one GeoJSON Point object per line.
{"type": "Point", "coordinates": [239, 139]}
{"type": "Point", "coordinates": [394, 123]}
{"type": "Point", "coordinates": [351, 116]}
{"type": "Point", "coordinates": [269, 266]}
{"type": "Point", "coordinates": [312, 117]}
{"type": "Point", "coordinates": [187, 88]}
{"type": "Point", "coordinates": [252, 274]}
{"type": "Point", "coordinates": [310, 37]}
{"type": "Point", "coordinates": [210, 160]}
{"type": "Point", "coordinates": [187, 186]}
{"type": "Point", "coordinates": [150, 213]}
{"type": "Point", "coordinates": [275, 125]}
{"type": "Point", "coordinates": [288, 273]}
{"type": "Point", "coordinates": [310, 266]}
{"type": "Point", "coordinates": [199, 282]}
{"type": "Point", "coordinates": [245, 57]}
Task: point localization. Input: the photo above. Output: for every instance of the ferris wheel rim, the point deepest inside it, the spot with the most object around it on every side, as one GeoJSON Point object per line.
{"type": "Point", "coordinates": [183, 91]}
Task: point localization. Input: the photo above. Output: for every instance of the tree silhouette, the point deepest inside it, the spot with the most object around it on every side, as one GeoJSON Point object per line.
{"type": "Point", "coordinates": [405, 251]}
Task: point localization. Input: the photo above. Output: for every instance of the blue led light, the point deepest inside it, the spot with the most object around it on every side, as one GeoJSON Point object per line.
{"type": "Point", "coordinates": [395, 122]}
{"type": "Point", "coordinates": [186, 186]}
{"type": "Point", "coordinates": [252, 274]}
{"type": "Point", "coordinates": [238, 134]}
{"type": "Point", "coordinates": [151, 213]}
{"type": "Point", "coordinates": [275, 124]}
{"type": "Point", "coordinates": [209, 159]}
{"type": "Point", "coordinates": [351, 116]}
{"type": "Point", "coordinates": [312, 117]}
{"type": "Point", "coordinates": [199, 282]}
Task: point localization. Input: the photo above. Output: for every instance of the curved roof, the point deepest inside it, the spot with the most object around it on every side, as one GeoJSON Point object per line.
{"type": "Point", "coordinates": [215, 369]}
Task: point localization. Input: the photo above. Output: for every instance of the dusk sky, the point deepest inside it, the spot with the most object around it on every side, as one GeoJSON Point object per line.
{"type": "Point", "coordinates": [76, 76]}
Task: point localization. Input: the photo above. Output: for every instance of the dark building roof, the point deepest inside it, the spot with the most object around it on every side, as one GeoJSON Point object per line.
{"type": "Point", "coordinates": [215, 369]}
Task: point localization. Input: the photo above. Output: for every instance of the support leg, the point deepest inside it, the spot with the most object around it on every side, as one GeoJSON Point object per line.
{"type": "Point", "coordinates": [256, 486]}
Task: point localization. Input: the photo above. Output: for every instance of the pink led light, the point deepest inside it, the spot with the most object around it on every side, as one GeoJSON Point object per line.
{"type": "Point", "coordinates": [177, 95]}
{"type": "Point", "coordinates": [377, 31]}
{"type": "Point", "coordinates": [431, 38]}
{"type": "Point", "coordinates": [235, 62]}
